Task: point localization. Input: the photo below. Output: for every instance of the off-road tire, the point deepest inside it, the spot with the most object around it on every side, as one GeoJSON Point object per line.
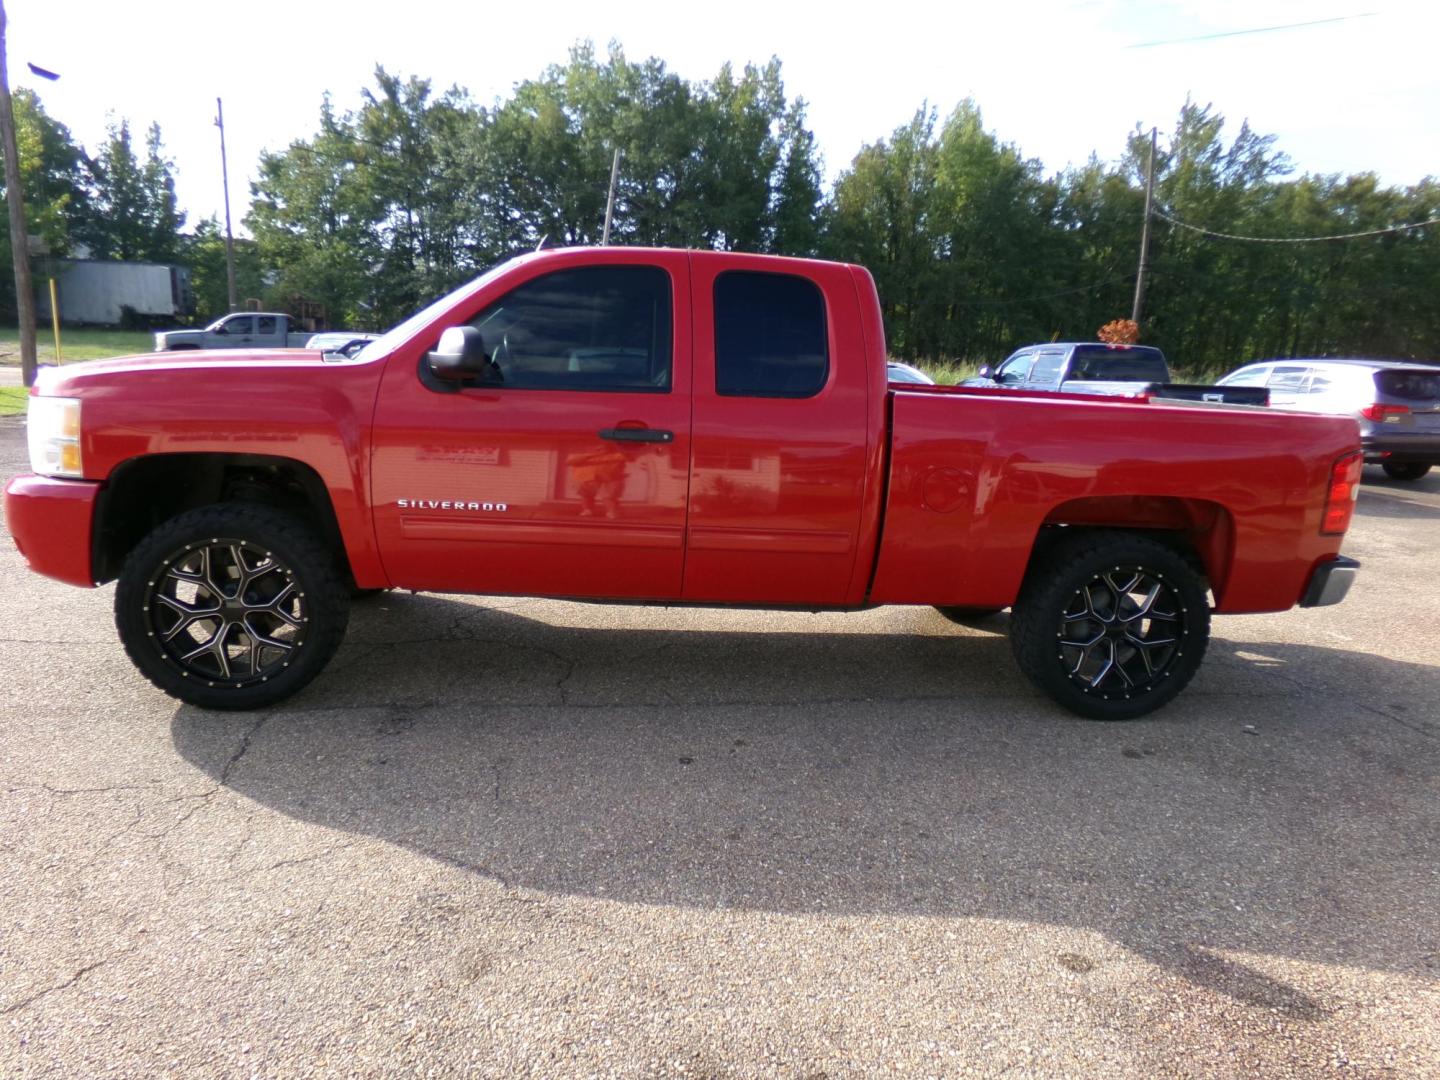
{"type": "Point", "coordinates": [280, 628]}
{"type": "Point", "coordinates": [1117, 595]}
{"type": "Point", "coordinates": [1405, 470]}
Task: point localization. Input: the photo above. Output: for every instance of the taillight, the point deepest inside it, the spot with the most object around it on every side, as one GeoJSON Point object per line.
{"type": "Point", "coordinates": [1340, 497]}
{"type": "Point", "coordinates": [1381, 414]}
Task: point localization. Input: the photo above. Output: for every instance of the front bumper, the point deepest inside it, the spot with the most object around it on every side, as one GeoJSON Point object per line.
{"type": "Point", "coordinates": [52, 523]}
{"type": "Point", "coordinates": [1329, 582]}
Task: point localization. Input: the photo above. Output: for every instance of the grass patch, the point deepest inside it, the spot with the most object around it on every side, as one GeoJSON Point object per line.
{"type": "Point", "coordinates": [12, 400]}
{"type": "Point", "coordinates": [76, 344]}
{"type": "Point", "coordinates": [948, 372]}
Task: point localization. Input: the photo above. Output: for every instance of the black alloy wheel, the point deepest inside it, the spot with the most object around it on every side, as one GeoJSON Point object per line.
{"type": "Point", "coordinates": [1113, 626]}
{"type": "Point", "coordinates": [232, 606]}
{"type": "Point", "coordinates": [226, 612]}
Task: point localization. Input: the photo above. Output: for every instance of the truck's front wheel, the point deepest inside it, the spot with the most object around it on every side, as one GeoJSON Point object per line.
{"type": "Point", "coordinates": [232, 606]}
{"type": "Point", "coordinates": [1113, 625]}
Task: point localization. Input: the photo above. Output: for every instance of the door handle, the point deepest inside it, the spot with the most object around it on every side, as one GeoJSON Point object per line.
{"type": "Point", "coordinates": [654, 435]}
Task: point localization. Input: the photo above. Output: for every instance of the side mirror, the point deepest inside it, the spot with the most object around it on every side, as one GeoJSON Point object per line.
{"type": "Point", "coordinates": [220, 329]}
{"type": "Point", "coordinates": [985, 372]}
{"type": "Point", "coordinates": [460, 355]}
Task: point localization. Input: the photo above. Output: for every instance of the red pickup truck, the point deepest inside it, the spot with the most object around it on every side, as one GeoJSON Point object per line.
{"type": "Point", "coordinates": [668, 427]}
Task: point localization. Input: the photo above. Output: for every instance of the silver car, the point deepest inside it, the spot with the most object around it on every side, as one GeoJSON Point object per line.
{"type": "Point", "coordinates": [1396, 402]}
{"type": "Point", "coordinates": [906, 373]}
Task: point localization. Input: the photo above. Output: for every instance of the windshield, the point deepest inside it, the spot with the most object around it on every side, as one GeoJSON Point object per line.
{"type": "Point", "coordinates": [398, 335]}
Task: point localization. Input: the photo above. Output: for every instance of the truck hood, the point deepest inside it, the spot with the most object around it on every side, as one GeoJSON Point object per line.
{"type": "Point", "coordinates": [74, 380]}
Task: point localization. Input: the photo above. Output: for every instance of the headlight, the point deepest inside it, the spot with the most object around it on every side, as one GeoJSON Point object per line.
{"type": "Point", "coordinates": [53, 427]}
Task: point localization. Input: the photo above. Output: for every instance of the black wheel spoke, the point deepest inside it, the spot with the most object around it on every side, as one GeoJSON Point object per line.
{"type": "Point", "coordinates": [227, 612]}
{"type": "Point", "coordinates": [259, 639]}
{"type": "Point", "coordinates": [207, 646]}
{"type": "Point", "coordinates": [1107, 666]}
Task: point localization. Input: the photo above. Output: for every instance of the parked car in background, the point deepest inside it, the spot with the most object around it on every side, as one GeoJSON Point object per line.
{"type": "Point", "coordinates": [1081, 367]}
{"type": "Point", "coordinates": [345, 342]}
{"type": "Point", "coordinates": [1090, 367]}
{"type": "Point", "coordinates": [1396, 402]}
{"type": "Point", "coordinates": [906, 373]}
{"type": "Point", "coordinates": [241, 330]}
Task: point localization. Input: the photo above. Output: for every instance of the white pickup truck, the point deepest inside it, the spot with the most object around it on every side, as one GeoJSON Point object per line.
{"type": "Point", "coordinates": [242, 330]}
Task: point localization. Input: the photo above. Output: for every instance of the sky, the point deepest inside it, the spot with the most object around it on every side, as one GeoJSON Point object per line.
{"type": "Point", "coordinates": [1058, 78]}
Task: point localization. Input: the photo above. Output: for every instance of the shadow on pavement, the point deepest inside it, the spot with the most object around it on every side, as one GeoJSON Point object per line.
{"type": "Point", "coordinates": [858, 773]}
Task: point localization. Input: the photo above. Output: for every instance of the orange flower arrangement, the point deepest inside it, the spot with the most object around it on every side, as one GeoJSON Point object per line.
{"type": "Point", "coordinates": [1120, 332]}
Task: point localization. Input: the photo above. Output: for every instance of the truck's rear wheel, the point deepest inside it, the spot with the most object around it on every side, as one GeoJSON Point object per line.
{"type": "Point", "coordinates": [1113, 626]}
{"type": "Point", "coordinates": [232, 606]}
{"type": "Point", "coordinates": [1405, 470]}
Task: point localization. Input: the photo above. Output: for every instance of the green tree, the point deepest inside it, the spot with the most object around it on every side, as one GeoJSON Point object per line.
{"type": "Point", "coordinates": [53, 180]}
{"type": "Point", "coordinates": [203, 251]}
{"type": "Point", "coordinates": [134, 214]}
{"type": "Point", "coordinates": [51, 172]}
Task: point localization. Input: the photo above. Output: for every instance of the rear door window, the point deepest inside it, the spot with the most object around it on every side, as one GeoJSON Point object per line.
{"type": "Point", "coordinates": [1289, 379]}
{"type": "Point", "coordinates": [771, 336]}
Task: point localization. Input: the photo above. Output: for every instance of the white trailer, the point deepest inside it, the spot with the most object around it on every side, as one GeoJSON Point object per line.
{"type": "Point", "coordinates": [97, 293]}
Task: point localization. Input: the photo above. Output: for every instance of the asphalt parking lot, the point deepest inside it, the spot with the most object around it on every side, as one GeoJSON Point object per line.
{"type": "Point", "coordinates": [533, 838]}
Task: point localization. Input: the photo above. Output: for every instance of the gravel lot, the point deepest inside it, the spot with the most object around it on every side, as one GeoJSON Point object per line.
{"type": "Point", "coordinates": [535, 838]}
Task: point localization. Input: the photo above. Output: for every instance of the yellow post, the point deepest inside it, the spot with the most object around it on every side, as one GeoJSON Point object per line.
{"type": "Point", "coordinates": [55, 318]}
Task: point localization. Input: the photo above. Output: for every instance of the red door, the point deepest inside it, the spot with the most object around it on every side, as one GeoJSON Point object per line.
{"type": "Point", "coordinates": [564, 473]}
{"type": "Point", "coordinates": [780, 429]}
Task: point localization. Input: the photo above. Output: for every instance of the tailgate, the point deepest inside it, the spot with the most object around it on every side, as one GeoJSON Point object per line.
{"type": "Point", "coordinates": [1219, 395]}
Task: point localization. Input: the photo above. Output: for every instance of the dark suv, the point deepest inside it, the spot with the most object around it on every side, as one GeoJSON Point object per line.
{"type": "Point", "coordinates": [1396, 402]}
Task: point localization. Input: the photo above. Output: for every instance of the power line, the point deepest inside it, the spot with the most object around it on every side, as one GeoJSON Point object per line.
{"type": "Point", "coordinates": [1255, 30]}
{"type": "Point", "coordinates": [1296, 239]}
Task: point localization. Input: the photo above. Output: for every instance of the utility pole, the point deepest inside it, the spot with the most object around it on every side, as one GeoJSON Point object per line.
{"type": "Point", "coordinates": [231, 295]}
{"type": "Point", "coordinates": [1145, 234]}
{"type": "Point", "coordinates": [19, 236]}
{"type": "Point", "coordinates": [610, 202]}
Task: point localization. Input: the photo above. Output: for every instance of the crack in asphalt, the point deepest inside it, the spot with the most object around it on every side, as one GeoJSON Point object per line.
{"type": "Point", "coordinates": [24, 1002]}
{"type": "Point", "coordinates": [1418, 727]}
{"type": "Point", "coordinates": [95, 790]}
{"type": "Point", "coordinates": [299, 860]}
{"type": "Point", "coordinates": [240, 752]}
